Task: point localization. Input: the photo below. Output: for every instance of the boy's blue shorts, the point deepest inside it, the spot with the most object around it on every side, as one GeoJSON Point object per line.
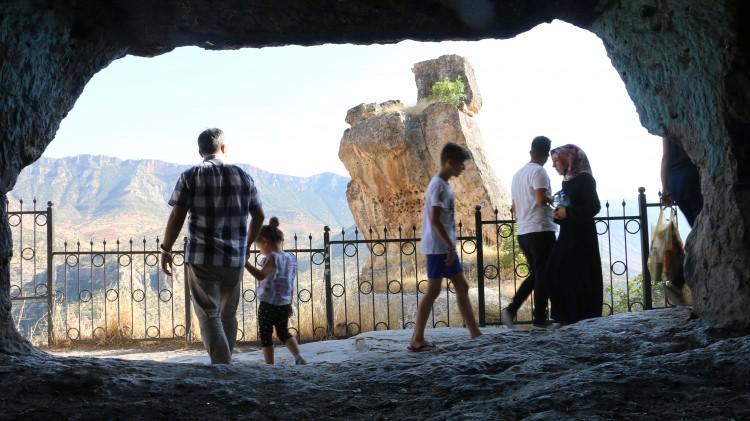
{"type": "Point", "coordinates": [437, 269]}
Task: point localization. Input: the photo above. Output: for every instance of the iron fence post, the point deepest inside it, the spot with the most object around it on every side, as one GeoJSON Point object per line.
{"type": "Point", "coordinates": [643, 216]}
{"type": "Point", "coordinates": [188, 313]}
{"type": "Point", "coordinates": [480, 264]}
{"type": "Point", "coordinates": [50, 281]}
{"type": "Point", "coordinates": [327, 276]}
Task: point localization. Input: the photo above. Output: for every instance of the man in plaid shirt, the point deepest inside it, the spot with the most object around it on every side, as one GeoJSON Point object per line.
{"type": "Point", "coordinates": [219, 199]}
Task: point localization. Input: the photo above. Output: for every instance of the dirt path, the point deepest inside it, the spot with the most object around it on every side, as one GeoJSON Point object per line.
{"type": "Point", "coordinates": [658, 363]}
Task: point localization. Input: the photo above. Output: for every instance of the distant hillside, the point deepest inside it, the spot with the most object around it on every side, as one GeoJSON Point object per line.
{"type": "Point", "coordinates": [105, 197]}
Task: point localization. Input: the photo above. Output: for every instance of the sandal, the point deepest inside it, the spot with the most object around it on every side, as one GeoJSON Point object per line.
{"type": "Point", "coordinates": [427, 347]}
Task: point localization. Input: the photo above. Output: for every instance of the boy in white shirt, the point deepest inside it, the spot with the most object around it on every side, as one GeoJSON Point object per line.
{"type": "Point", "coordinates": [439, 247]}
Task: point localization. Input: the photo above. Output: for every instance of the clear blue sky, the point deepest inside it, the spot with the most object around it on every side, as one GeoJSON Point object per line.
{"type": "Point", "coordinates": [283, 109]}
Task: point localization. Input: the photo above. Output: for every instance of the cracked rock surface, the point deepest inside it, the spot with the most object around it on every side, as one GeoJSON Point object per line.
{"type": "Point", "coordinates": [659, 363]}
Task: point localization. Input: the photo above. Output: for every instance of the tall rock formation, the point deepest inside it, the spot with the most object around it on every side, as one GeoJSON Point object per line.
{"type": "Point", "coordinates": [391, 152]}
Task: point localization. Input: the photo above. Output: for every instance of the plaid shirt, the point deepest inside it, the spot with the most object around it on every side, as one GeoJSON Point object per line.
{"type": "Point", "coordinates": [219, 199]}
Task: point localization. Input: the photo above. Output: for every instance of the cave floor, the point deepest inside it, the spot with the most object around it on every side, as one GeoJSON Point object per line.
{"type": "Point", "coordinates": [660, 363]}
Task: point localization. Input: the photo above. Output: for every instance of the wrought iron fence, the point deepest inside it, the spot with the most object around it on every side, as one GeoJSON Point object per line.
{"type": "Point", "coordinates": [311, 305]}
{"type": "Point", "coordinates": [30, 266]}
{"type": "Point", "coordinates": [117, 291]}
{"type": "Point", "coordinates": [347, 284]}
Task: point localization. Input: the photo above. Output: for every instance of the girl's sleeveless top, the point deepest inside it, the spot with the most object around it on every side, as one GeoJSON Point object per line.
{"type": "Point", "coordinates": [277, 288]}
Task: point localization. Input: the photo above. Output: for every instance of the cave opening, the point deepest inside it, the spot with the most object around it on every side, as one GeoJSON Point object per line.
{"type": "Point", "coordinates": [554, 79]}
{"type": "Point", "coordinates": [684, 64]}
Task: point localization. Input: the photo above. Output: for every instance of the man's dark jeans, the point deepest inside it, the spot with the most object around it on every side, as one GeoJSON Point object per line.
{"type": "Point", "coordinates": [536, 246]}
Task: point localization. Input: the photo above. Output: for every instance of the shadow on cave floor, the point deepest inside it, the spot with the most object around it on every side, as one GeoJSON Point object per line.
{"type": "Point", "coordinates": [659, 363]}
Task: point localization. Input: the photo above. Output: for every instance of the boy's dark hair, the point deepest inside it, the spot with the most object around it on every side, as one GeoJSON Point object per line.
{"type": "Point", "coordinates": [210, 140]}
{"type": "Point", "coordinates": [453, 151]}
{"type": "Point", "coordinates": [271, 232]}
{"type": "Point", "coordinates": [540, 147]}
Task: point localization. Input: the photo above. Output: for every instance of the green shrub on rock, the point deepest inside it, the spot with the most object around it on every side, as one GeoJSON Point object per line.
{"type": "Point", "coordinates": [449, 91]}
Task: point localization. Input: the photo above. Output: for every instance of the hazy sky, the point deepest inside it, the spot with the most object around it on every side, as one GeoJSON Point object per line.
{"type": "Point", "coordinates": [283, 109]}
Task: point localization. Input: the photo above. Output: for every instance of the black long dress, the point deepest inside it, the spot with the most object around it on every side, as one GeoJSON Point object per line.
{"type": "Point", "coordinates": [574, 266]}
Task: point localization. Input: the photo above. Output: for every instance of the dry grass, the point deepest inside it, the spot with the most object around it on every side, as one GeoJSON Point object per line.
{"type": "Point", "coordinates": [354, 312]}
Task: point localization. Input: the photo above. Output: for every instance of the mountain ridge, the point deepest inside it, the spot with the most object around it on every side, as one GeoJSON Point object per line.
{"type": "Point", "coordinates": [102, 196]}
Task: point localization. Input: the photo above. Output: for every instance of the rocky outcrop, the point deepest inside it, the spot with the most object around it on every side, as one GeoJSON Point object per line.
{"type": "Point", "coordinates": [392, 152]}
{"type": "Point", "coordinates": [686, 65]}
{"type": "Point", "coordinates": [647, 365]}
{"type": "Point", "coordinates": [684, 62]}
{"type": "Point", "coordinates": [366, 111]}
{"type": "Point", "coordinates": [452, 67]}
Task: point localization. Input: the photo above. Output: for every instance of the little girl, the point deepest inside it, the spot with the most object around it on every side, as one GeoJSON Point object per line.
{"type": "Point", "coordinates": [277, 276]}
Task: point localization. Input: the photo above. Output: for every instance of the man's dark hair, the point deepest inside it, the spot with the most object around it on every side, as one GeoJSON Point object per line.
{"type": "Point", "coordinates": [540, 147]}
{"type": "Point", "coordinates": [210, 140]}
{"type": "Point", "coordinates": [453, 151]}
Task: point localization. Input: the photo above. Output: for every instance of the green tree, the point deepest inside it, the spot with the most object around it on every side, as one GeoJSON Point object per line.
{"type": "Point", "coordinates": [449, 91]}
{"type": "Point", "coordinates": [634, 293]}
{"type": "Point", "coordinates": [501, 249]}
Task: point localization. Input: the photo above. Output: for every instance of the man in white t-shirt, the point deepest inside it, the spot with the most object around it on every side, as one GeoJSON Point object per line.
{"type": "Point", "coordinates": [439, 247]}
{"type": "Point", "coordinates": [531, 194]}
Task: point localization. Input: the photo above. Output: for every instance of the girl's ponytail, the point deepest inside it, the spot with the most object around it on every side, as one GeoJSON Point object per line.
{"type": "Point", "coordinates": [271, 232]}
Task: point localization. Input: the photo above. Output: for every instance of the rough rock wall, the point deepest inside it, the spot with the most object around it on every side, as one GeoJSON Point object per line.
{"type": "Point", "coordinates": [685, 65]}
{"type": "Point", "coordinates": [50, 49]}
{"type": "Point", "coordinates": [392, 154]}
{"type": "Point", "coordinates": [45, 66]}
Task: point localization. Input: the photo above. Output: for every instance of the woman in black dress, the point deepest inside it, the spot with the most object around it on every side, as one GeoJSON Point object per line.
{"type": "Point", "coordinates": [574, 266]}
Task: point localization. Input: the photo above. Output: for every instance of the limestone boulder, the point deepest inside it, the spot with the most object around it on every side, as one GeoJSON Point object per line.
{"type": "Point", "coordinates": [386, 172]}
{"type": "Point", "coordinates": [392, 153]}
{"type": "Point", "coordinates": [365, 111]}
{"type": "Point", "coordinates": [478, 185]}
{"type": "Point", "coordinates": [427, 72]}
